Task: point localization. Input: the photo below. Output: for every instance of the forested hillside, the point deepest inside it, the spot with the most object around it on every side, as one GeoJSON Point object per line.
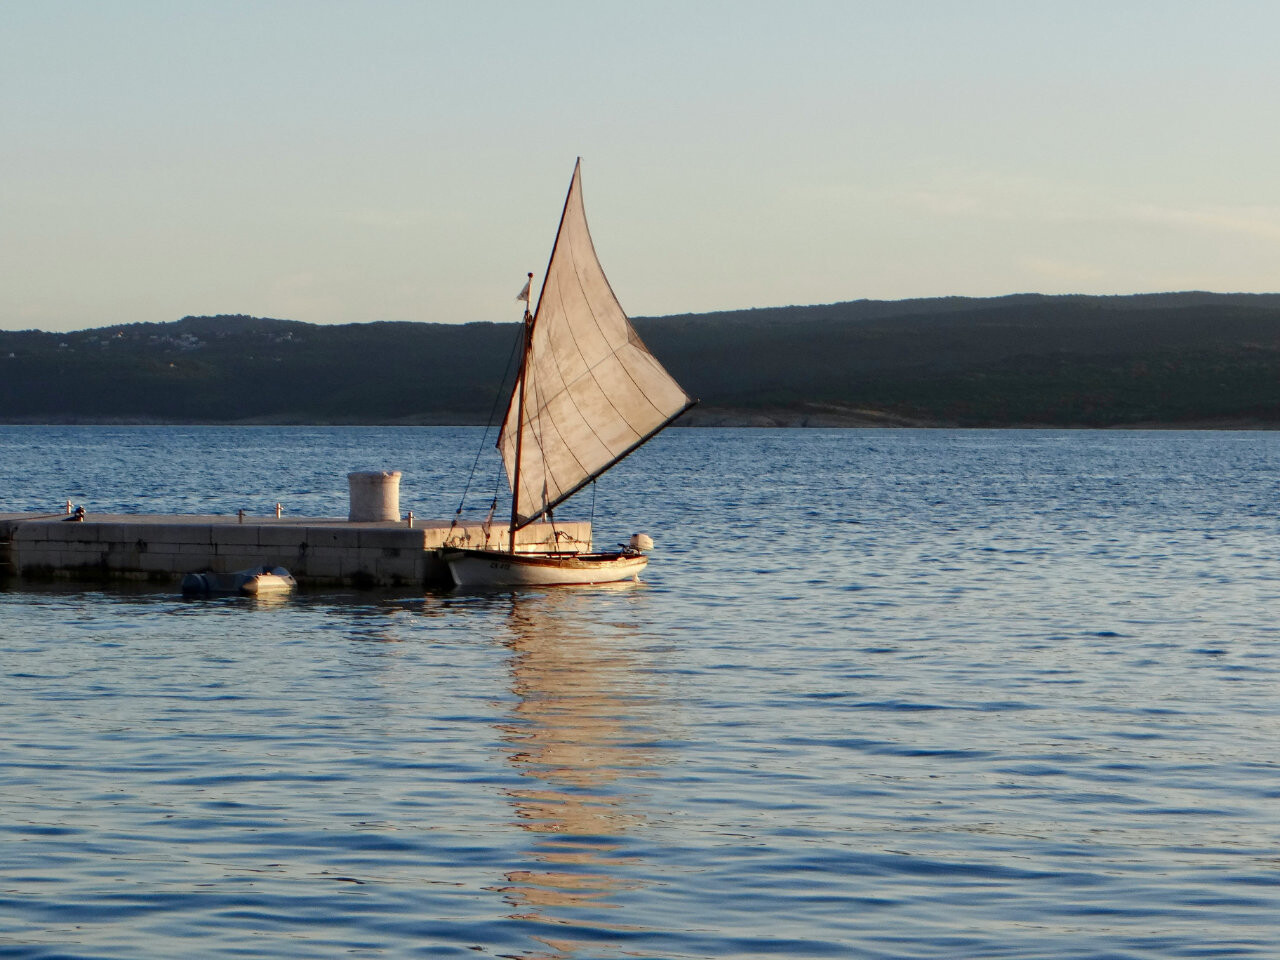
{"type": "Point", "coordinates": [1166, 359]}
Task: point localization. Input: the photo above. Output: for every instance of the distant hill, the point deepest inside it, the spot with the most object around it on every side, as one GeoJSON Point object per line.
{"type": "Point", "coordinates": [1178, 359]}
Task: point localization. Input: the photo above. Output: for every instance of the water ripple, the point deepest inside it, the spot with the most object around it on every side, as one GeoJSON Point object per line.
{"type": "Point", "coordinates": [983, 695]}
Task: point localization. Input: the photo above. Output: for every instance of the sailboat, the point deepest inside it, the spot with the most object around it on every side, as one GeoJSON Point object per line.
{"type": "Point", "coordinates": [587, 394]}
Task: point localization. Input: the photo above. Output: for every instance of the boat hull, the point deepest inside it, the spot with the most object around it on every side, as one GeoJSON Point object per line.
{"type": "Point", "coordinates": [492, 568]}
{"type": "Point", "coordinates": [255, 582]}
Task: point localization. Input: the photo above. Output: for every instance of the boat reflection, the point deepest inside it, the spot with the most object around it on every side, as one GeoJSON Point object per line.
{"type": "Point", "coordinates": [582, 732]}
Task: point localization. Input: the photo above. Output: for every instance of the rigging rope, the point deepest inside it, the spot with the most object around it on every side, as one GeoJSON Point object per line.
{"type": "Point", "coordinates": [484, 439]}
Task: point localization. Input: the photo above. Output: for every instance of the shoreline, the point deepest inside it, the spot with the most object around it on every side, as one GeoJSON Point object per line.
{"type": "Point", "coordinates": [815, 417]}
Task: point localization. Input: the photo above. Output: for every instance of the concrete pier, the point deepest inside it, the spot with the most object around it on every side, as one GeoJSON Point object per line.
{"type": "Point", "coordinates": [318, 552]}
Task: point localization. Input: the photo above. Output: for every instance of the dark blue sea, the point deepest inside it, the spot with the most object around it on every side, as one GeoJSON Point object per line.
{"type": "Point", "coordinates": [881, 694]}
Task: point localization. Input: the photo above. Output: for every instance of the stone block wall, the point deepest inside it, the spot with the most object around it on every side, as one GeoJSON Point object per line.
{"type": "Point", "coordinates": [321, 552]}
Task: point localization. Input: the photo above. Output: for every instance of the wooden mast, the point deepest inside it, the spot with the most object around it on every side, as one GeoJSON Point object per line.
{"type": "Point", "coordinates": [529, 319]}
{"type": "Point", "coordinates": [524, 362]}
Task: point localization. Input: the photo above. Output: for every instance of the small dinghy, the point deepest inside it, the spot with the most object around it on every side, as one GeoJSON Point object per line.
{"type": "Point", "coordinates": [254, 582]}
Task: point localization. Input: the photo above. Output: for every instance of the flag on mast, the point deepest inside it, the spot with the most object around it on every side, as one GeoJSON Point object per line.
{"type": "Point", "coordinates": [524, 293]}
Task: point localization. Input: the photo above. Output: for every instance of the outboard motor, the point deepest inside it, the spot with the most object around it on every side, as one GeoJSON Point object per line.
{"type": "Point", "coordinates": [640, 543]}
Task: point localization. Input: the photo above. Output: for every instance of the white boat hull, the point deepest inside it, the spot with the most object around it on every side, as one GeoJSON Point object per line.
{"type": "Point", "coordinates": [492, 568]}
{"type": "Point", "coordinates": [254, 582]}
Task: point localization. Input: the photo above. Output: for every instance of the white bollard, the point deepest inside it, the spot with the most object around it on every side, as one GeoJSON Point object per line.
{"type": "Point", "coordinates": [375, 495]}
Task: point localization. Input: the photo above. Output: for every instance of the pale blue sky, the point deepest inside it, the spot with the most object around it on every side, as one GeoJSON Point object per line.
{"type": "Point", "coordinates": [354, 161]}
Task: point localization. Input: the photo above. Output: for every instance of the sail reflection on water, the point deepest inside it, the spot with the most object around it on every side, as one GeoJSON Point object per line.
{"type": "Point", "coordinates": [582, 731]}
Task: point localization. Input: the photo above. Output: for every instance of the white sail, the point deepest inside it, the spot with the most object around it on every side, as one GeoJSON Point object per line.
{"type": "Point", "coordinates": [592, 392]}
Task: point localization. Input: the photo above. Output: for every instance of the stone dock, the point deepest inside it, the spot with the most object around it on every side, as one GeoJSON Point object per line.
{"type": "Point", "coordinates": [318, 552]}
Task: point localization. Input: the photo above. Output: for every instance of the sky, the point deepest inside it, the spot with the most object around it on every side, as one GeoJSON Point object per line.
{"type": "Point", "coordinates": [344, 162]}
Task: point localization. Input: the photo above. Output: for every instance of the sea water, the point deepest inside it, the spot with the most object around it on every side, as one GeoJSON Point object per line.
{"type": "Point", "coordinates": [880, 694]}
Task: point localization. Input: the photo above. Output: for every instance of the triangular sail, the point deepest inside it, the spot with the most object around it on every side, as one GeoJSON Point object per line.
{"type": "Point", "coordinates": [592, 390]}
